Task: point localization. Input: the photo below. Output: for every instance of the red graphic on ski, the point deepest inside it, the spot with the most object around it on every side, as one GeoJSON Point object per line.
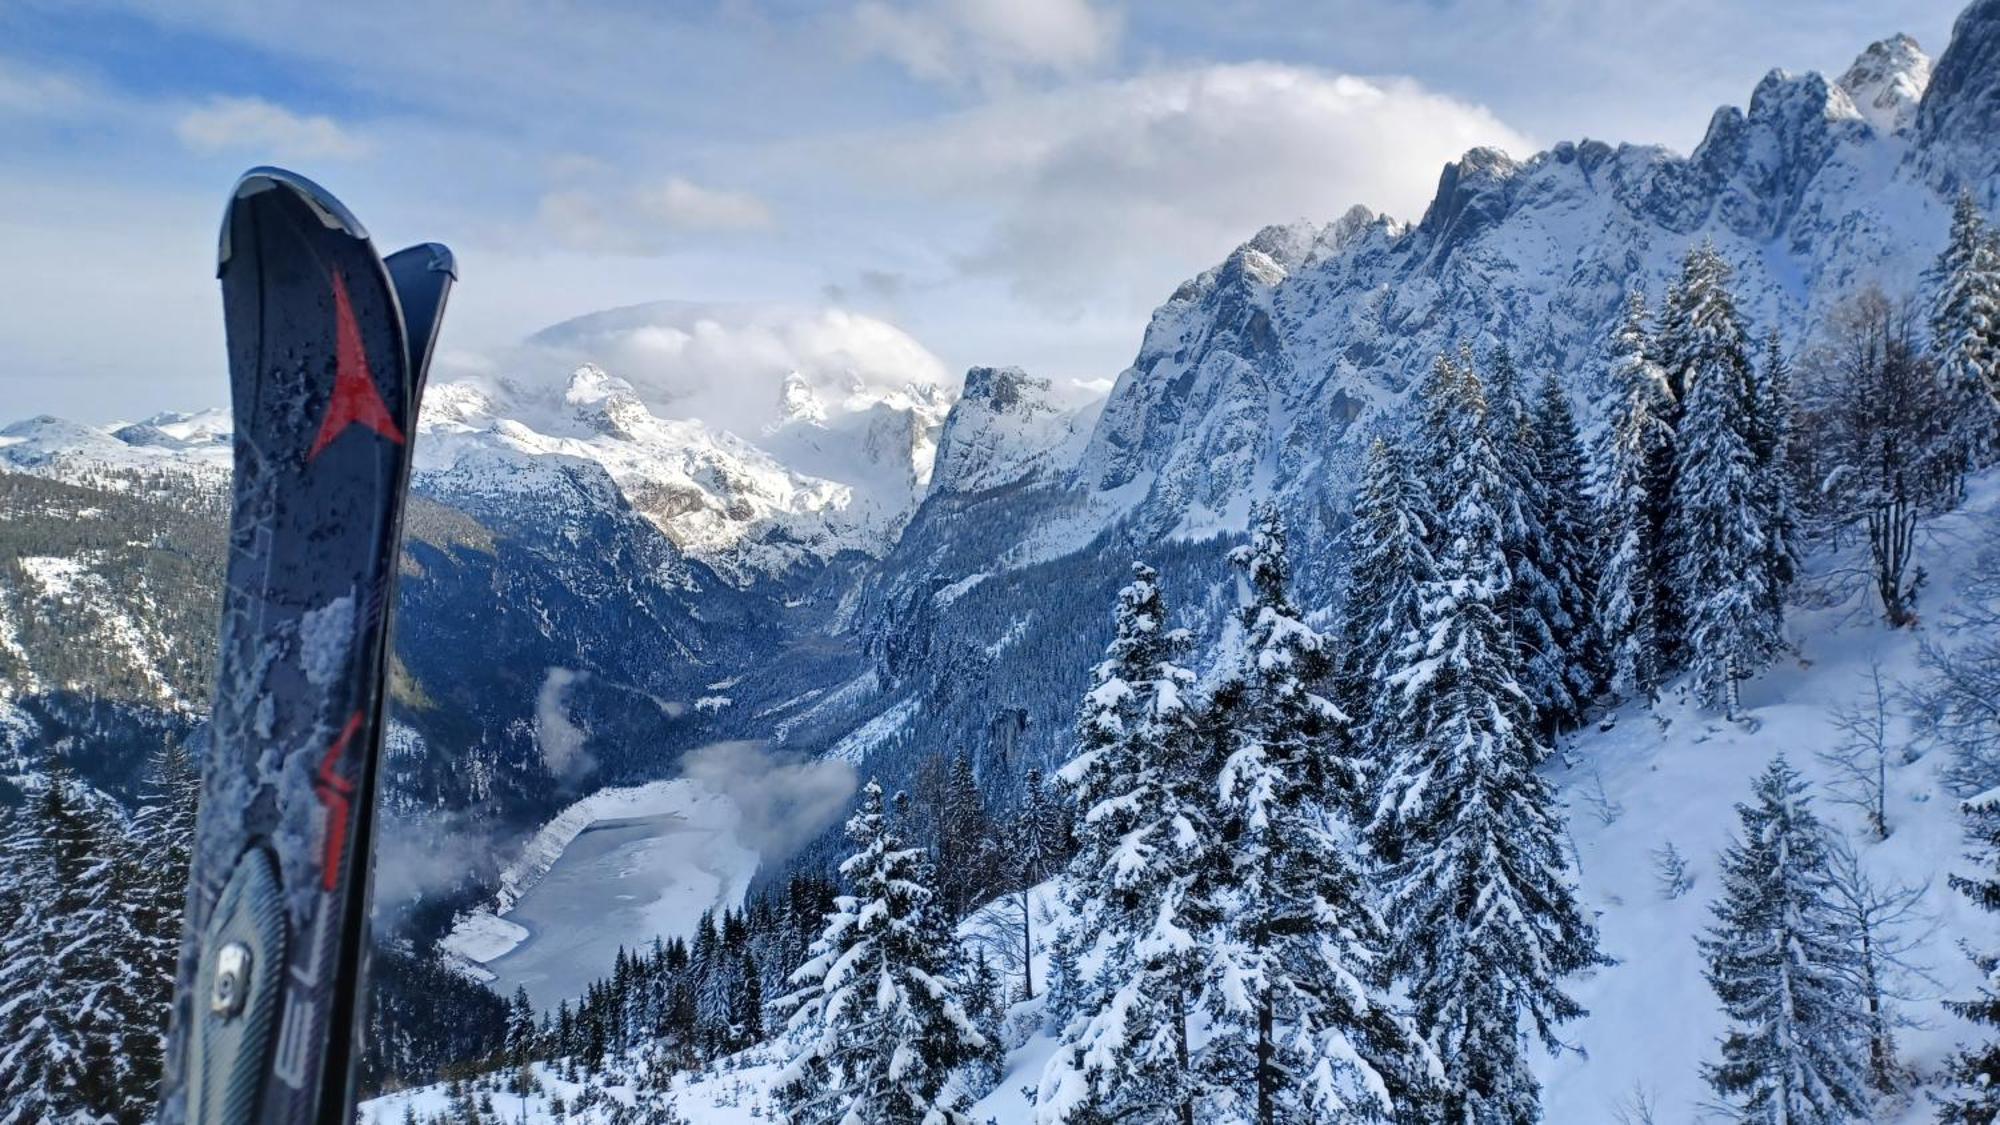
{"type": "Point", "coordinates": [334, 792]}
{"type": "Point", "coordinates": [356, 402]}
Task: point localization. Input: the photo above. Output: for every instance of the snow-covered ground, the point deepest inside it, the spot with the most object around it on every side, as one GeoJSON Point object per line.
{"type": "Point", "coordinates": [1646, 780]}
{"type": "Point", "coordinates": [618, 868]}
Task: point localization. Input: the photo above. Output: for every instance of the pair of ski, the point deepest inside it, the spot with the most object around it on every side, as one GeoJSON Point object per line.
{"type": "Point", "coordinates": [328, 348]}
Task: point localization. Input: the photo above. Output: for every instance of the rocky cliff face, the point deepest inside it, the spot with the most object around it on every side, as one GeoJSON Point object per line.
{"type": "Point", "coordinates": [1004, 428]}
{"type": "Point", "coordinates": [1253, 377]}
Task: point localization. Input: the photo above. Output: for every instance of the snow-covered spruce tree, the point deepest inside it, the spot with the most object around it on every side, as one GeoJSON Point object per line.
{"type": "Point", "coordinates": [1140, 889]}
{"type": "Point", "coordinates": [1782, 964]}
{"type": "Point", "coordinates": [1975, 1073]}
{"type": "Point", "coordinates": [1532, 601]}
{"type": "Point", "coordinates": [1569, 547]}
{"type": "Point", "coordinates": [1634, 476]}
{"type": "Point", "coordinates": [1720, 530]}
{"type": "Point", "coordinates": [877, 1028]}
{"type": "Point", "coordinates": [1388, 563]}
{"type": "Point", "coordinates": [1303, 1029]}
{"type": "Point", "coordinates": [1040, 843]}
{"type": "Point", "coordinates": [73, 1032]}
{"type": "Point", "coordinates": [156, 854]}
{"type": "Point", "coordinates": [1478, 885]}
{"type": "Point", "coordinates": [1965, 333]}
{"type": "Point", "coordinates": [1770, 440]}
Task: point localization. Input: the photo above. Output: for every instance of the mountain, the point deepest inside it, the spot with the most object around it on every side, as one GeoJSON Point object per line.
{"type": "Point", "coordinates": [1262, 376]}
{"type": "Point", "coordinates": [816, 483]}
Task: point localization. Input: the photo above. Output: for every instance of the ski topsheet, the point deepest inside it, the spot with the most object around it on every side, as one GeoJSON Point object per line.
{"type": "Point", "coordinates": [325, 380]}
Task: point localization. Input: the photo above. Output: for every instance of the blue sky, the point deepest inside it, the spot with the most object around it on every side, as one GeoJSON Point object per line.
{"type": "Point", "coordinates": [882, 183]}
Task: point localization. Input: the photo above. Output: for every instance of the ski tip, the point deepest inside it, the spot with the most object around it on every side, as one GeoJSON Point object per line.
{"type": "Point", "coordinates": [437, 257]}
{"type": "Point", "coordinates": [321, 202]}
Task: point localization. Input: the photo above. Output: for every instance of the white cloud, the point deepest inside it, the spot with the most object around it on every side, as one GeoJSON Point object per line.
{"type": "Point", "coordinates": [27, 92]}
{"type": "Point", "coordinates": [1139, 182]}
{"type": "Point", "coordinates": [784, 799]}
{"type": "Point", "coordinates": [725, 364]}
{"type": "Point", "coordinates": [645, 218]}
{"type": "Point", "coordinates": [253, 123]}
{"type": "Point", "coordinates": [560, 738]}
{"type": "Point", "coordinates": [961, 42]}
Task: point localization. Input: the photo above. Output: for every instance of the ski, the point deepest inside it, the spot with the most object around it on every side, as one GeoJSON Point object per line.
{"type": "Point", "coordinates": [325, 378]}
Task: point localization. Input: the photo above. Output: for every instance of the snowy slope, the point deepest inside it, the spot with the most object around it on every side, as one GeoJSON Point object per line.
{"type": "Point", "coordinates": [1635, 783]}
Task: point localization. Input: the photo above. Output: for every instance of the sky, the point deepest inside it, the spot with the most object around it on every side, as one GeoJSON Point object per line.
{"type": "Point", "coordinates": [882, 184]}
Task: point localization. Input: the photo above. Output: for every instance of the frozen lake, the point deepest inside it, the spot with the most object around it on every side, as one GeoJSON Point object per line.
{"type": "Point", "coordinates": [620, 881]}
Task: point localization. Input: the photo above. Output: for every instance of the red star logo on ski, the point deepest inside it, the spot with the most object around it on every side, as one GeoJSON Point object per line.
{"type": "Point", "coordinates": [356, 402]}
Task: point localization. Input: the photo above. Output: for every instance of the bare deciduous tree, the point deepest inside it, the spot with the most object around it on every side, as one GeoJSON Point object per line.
{"type": "Point", "coordinates": [1882, 421]}
{"type": "Point", "coordinates": [1888, 924]}
{"type": "Point", "coordinates": [1860, 760]}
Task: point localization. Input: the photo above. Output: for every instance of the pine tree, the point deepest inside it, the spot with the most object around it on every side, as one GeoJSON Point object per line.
{"type": "Point", "coordinates": [74, 1039]}
{"type": "Point", "coordinates": [1976, 1071]}
{"type": "Point", "coordinates": [1782, 965]}
{"type": "Point", "coordinates": [1303, 1028]}
{"type": "Point", "coordinates": [1389, 562]}
{"type": "Point", "coordinates": [1965, 331]}
{"type": "Point", "coordinates": [1040, 843]}
{"type": "Point", "coordinates": [1770, 441]}
{"type": "Point", "coordinates": [985, 1006]}
{"type": "Point", "coordinates": [1139, 888]}
{"type": "Point", "coordinates": [967, 857]}
{"type": "Point", "coordinates": [1531, 608]}
{"type": "Point", "coordinates": [1722, 528]}
{"type": "Point", "coordinates": [1568, 548]}
{"type": "Point", "coordinates": [1478, 884]}
{"type": "Point", "coordinates": [154, 857]}
{"type": "Point", "coordinates": [877, 1025]}
{"type": "Point", "coordinates": [1635, 474]}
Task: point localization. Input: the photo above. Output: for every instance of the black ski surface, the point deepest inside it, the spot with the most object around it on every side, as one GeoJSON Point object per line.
{"type": "Point", "coordinates": [325, 382]}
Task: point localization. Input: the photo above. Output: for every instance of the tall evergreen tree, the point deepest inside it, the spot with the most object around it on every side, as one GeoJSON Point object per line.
{"type": "Point", "coordinates": [1975, 1073]}
{"type": "Point", "coordinates": [1303, 1027]}
{"type": "Point", "coordinates": [1041, 846]}
{"type": "Point", "coordinates": [1532, 604]}
{"type": "Point", "coordinates": [1782, 964]}
{"type": "Point", "coordinates": [1389, 562]}
{"type": "Point", "coordinates": [1478, 886]}
{"type": "Point", "coordinates": [1635, 474]}
{"type": "Point", "coordinates": [1722, 526]}
{"type": "Point", "coordinates": [155, 856]}
{"type": "Point", "coordinates": [1770, 441]}
{"type": "Point", "coordinates": [1569, 548]}
{"type": "Point", "coordinates": [1965, 333]}
{"type": "Point", "coordinates": [74, 1040]}
{"type": "Point", "coordinates": [877, 1024]}
{"type": "Point", "coordinates": [1140, 889]}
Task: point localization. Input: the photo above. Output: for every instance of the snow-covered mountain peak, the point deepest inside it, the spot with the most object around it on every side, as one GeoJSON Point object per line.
{"type": "Point", "coordinates": [196, 446]}
{"type": "Point", "coordinates": [798, 402]}
{"type": "Point", "coordinates": [1960, 113]}
{"type": "Point", "coordinates": [1004, 429]}
{"type": "Point", "coordinates": [1887, 82]}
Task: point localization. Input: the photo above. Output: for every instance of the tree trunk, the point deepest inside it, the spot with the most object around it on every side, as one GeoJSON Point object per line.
{"type": "Point", "coordinates": [1267, 1059]}
{"type": "Point", "coordinates": [1181, 1043]}
{"type": "Point", "coordinates": [1027, 946]}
